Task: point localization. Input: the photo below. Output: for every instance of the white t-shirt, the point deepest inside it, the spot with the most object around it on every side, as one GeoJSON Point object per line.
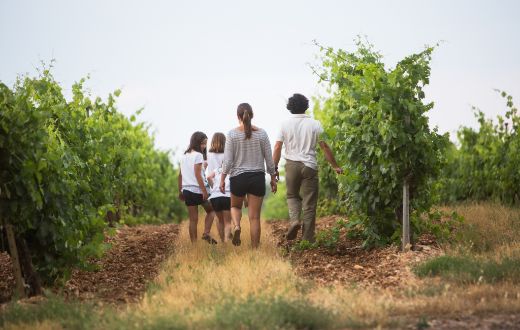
{"type": "Point", "coordinates": [189, 180]}
{"type": "Point", "coordinates": [300, 135]}
{"type": "Point", "coordinates": [215, 161]}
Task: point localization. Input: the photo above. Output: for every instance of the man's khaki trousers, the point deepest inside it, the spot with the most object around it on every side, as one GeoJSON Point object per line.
{"type": "Point", "coordinates": [302, 195]}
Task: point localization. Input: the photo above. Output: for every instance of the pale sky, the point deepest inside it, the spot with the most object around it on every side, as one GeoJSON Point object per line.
{"type": "Point", "coordinates": [190, 63]}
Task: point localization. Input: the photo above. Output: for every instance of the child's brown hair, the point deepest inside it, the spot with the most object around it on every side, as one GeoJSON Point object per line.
{"type": "Point", "coordinates": [218, 141]}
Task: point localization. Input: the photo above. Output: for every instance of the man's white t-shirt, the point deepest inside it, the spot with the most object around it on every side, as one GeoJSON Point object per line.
{"type": "Point", "coordinates": [215, 161]}
{"type": "Point", "coordinates": [300, 135]}
{"type": "Point", "coordinates": [189, 180]}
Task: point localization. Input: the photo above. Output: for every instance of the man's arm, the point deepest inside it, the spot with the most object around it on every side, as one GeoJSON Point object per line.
{"type": "Point", "coordinates": [277, 154]}
{"type": "Point", "coordinates": [329, 156]}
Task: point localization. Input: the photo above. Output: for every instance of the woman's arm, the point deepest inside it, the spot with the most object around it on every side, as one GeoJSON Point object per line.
{"type": "Point", "coordinates": [268, 156]}
{"type": "Point", "coordinates": [229, 152]}
{"type": "Point", "coordinates": [227, 164]}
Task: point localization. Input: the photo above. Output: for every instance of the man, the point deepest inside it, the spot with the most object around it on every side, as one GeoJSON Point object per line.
{"type": "Point", "coordinates": [301, 134]}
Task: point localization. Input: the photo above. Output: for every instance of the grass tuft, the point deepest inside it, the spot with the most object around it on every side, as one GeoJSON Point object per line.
{"type": "Point", "coordinates": [68, 315]}
{"type": "Point", "coordinates": [270, 313]}
{"type": "Point", "coordinates": [467, 269]}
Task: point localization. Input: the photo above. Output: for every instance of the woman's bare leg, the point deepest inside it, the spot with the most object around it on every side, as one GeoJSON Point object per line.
{"type": "Point", "coordinates": [236, 216]}
{"type": "Point", "coordinates": [193, 212]}
{"type": "Point", "coordinates": [255, 205]}
{"type": "Point", "coordinates": [236, 210]}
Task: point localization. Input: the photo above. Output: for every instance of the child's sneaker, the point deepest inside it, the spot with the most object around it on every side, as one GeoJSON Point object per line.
{"type": "Point", "coordinates": [209, 239]}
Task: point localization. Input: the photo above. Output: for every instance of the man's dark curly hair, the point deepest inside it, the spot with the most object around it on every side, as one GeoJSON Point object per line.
{"type": "Point", "coordinates": [297, 104]}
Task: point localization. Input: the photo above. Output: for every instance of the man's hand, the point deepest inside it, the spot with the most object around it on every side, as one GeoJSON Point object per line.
{"type": "Point", "coordinates": [274, 184]}
{"type": "Point", "coordinates": [222, 186]}
{"type": "Point", "coordinates": [338, 170]}
{"type": "Point", "coordinates": [205, 195]}
{"type": "Point", "coordinates": [181, 196]}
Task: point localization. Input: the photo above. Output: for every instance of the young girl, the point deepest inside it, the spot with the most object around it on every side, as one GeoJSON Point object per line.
{"type": "Point", "coordinates": [221, 202]}
{"type": "Point", "coordinates": [192, 187]}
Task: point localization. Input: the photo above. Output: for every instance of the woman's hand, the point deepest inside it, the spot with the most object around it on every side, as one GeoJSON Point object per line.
{"type": "Point", "coordinates": [205, 195]}
{"type": "Point", "coordinates": [181, 196]}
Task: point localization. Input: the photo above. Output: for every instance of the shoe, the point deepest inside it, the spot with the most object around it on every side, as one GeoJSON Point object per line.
{"type": "Point", "coordinates": [236, 237]}
{"type": "Point", "coordinates": [293, 231]}
{"type": "Point", "coordinates": [209, 239]}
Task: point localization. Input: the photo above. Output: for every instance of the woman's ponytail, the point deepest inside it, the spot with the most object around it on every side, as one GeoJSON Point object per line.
{"type": "Point", "coordinates": [245, 113]}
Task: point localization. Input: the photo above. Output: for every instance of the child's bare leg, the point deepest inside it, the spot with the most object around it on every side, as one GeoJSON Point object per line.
{"type": "Point", "coordinates": [210, 214]}
{"type": "Point", "coordinates": [227, 224]}
{"type": "Point", "coordinates": [220, 225]}
{"type": "Point", "coordinates": [193, 213]}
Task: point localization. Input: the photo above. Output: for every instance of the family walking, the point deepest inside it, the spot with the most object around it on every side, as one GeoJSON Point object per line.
{"type": "Point", "coordinates": [231, 174]}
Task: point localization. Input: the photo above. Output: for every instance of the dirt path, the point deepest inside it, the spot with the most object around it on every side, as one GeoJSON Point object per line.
{"type": "Point", "coordinates": [138, 253]}
{"type": "Point", "coordinates": [124, 271]}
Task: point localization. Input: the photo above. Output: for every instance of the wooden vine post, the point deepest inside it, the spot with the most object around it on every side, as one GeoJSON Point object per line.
{"type": "Point", "coordinates": [406, 215]}
{"type": "Point", "coordinates": [20, 286]}
{"type": "Point", "coordinates": [406, 206]}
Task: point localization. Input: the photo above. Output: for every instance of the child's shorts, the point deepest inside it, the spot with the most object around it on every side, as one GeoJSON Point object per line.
{"type": "Point", "coordinates": [221, 203]}
{"type": "Point", "coordinates": [191, 198]}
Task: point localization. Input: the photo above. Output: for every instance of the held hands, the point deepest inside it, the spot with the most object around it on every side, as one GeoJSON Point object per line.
{"type": "Point", "coordinates": [338, 170]}
{"type": "Point", "coordinates": [222, 186]}
{"type": "Point", "coordinates": [205, 195]}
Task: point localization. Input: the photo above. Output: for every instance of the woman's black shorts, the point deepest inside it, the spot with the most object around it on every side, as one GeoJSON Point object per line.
{"type": "Point", "coordinates": [248, 183]}
{"type": "Point", "coordinates": [221, 203]}
{"type": "Point", "coordinates": [191, 198]}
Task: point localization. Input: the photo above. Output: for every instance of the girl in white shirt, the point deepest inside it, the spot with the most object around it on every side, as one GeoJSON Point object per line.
{"type": "Point", "coordinates": [192, 186]}
{"type": "Point", "coordinates": [221, 202]}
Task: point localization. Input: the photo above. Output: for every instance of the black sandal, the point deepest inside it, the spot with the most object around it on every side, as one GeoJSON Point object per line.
{"type": "Point", "coordinates": [209, 239]}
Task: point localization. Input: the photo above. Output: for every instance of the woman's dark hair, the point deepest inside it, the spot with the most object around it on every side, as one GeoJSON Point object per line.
{"type": "Point", "coordinates": [245, 114]}
{"type": "Point", "coordinates": [218, 141]}
{"type": "Point", "coordinates": [196, 140]}
{"type": "Point", "coordinates": [298, 104]}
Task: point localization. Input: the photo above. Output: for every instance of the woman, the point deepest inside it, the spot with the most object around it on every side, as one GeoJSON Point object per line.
{"type": "Point", "coordinates": [247, 149]}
